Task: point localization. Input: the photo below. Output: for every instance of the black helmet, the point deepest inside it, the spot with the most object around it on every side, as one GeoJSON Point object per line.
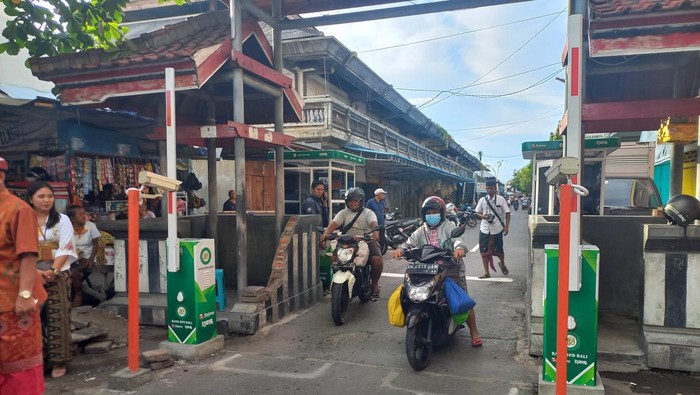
{"type": "Point", "coordinates": [433, 203]}
{"type": "Point", "coordinates": [355, 193]}
{"type": "Point", "coordinates": [682, 210]}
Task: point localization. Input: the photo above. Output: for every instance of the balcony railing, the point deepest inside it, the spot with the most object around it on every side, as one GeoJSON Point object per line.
{"type": "Point", "coordinates": [322, 116]}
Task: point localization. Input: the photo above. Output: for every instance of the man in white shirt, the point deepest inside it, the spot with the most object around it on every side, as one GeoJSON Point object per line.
{"type": "Point", "coordinates": [86, 238]}
{"type": "Point", "coordinates": [495, 217]}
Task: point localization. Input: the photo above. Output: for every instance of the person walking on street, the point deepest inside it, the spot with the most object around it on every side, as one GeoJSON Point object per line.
{"type": "Point", "coordinates": [495, 218]}
{"type": "Point", "coordinates": [434, 231]}
{"type": "Point", "coordinates": [317, 202]}
{"type": "Point", "coordinates": [56, 254]}
{"type": "Point", "coordinates": [377, 205]}
{"type": "Point", "coordinates": [361, 221]}
{"type": "Point", "coordinates": [21, 362]}
{"type": "Point", "coordinates": [230, 203]}
{"type": "Point", "coordinates": [86, 238]}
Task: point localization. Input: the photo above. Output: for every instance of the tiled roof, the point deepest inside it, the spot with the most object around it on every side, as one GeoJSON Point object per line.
{"type": "Point", "coordinates": [181, 40]}
{"type": "Point", "coordinates": [611, 8]}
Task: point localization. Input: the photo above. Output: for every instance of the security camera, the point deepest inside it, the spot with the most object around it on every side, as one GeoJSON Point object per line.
{"type": "Point", "coordinates": [561, 170]}
{"type": "Point", "coordinates": [157, 181]}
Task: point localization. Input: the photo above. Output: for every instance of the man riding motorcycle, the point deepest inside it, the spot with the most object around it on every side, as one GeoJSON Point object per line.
{"type": "Point", "coordinates": [434, 231]}
{"type": "Point", "coordinates": [363, 221]}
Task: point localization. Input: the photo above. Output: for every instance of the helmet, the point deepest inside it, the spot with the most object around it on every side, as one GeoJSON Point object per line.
{"type": "Point", "coordinates": [682, 210]}
{"type": "Point", "coordinates": [355, 193]}
{"type": "Point", "coordinates": [433, 203]}
{"type": "Point", "coordinates": [3, 164]}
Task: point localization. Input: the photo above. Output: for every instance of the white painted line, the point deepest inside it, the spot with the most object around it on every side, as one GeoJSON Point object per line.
{"type": "Point", "coordinates": [492, 279]}
{"type": "Point", "coordinates": [475, 249]}
{"type": "Point", "coordinates": [469, 278]}
{"type": "Point", "coordinates": [221, 366]}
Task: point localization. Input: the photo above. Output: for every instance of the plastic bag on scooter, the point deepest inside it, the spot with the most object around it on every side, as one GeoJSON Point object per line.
{"type": "Point", "coordinates": [396, 314]}
{"type": "Point", "coordinates": [458, 300]}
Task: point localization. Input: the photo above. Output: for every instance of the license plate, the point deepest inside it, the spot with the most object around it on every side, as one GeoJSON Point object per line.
{"type": "Point", "coordinates": [422, 268]}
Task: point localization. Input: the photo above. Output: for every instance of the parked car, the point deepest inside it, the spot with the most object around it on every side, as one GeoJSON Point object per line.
{"type": "Point", "coordinates": [631, 196]}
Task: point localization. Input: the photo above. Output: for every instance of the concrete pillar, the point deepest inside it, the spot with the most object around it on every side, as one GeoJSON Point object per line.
{"type": "Point", "coordinates": [676, 169]}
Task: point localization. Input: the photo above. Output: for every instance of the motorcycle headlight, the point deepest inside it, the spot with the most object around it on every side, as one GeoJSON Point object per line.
{"type": "Point", "coordinates": [419, 293]}
{"type": "Point", "coordinates": [344, 255]}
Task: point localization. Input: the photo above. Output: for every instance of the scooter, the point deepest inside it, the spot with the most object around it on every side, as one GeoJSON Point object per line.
{"type": "Point", "coordinates": [397, 232]}
{"type": "Point", "coordinates": [351, 274]}
{"type": "Point", "coordinates": [428, 320]}
{"type": "Point", "coordinates": [468, 217]}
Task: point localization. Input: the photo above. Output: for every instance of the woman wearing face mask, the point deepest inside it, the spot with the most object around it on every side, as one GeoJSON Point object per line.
{"type": "Point", "coordinates": [56, 254]}
{"type": "Point", "coordinates": [435, 230]}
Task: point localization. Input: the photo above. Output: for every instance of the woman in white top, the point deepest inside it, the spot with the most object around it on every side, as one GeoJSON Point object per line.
{"type": "Point", "coordinates": [56, 254]}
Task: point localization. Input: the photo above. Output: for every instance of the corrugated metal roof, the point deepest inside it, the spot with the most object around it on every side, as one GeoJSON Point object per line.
{"type": "Point", "coordinates": [614, 8]}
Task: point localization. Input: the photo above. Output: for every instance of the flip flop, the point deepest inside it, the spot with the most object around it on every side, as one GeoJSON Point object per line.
{"type": "Point", "coordinates": [58, 372]}
{"type": "Point", "coordinates": [478, 342]}
{"type": "Point", "coordinates": [504, 269]}
{"type": "Point", "coordinates": [485, 276]}
{"type": "Point", "coordinates": [375, 295]}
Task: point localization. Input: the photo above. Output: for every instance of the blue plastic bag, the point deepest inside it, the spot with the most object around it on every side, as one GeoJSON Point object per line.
{"type": "Point", "coordinates": [458, 300]}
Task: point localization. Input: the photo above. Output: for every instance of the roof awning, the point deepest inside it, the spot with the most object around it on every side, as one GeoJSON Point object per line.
{"type": "Point", "coordinates": [399, 167]}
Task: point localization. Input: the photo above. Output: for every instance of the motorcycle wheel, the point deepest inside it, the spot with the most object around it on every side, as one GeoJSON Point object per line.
{"type": "Point", "coordinates": [384, 246]}
{"type": "Point", "coordinates": [418, 347]}
{"type": "Point", "coordinates": [471, 222]}
{"type": "Point", "coordinates": [339, 303]}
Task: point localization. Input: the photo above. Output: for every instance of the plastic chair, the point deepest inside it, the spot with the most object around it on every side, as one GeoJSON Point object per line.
{"type": "Point", "coordinates": [220, 290]}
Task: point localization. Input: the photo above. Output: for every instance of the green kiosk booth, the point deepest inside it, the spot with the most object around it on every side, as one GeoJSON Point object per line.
{"type": "Point", "coordinates": [582, 338]}
{"type": "Point", "coordinates": [192, 294]}
{"type": "Point", "coordinates": [335, 168]}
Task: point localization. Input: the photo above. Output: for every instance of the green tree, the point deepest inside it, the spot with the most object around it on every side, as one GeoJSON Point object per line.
{"type": "Point", "coordinates": [522, 179]}
{"type": "Point", "coordinates": [50, 27]}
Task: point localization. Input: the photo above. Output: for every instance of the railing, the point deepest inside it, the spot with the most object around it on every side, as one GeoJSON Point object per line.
{"type": "Point", "coordinates": [323, 113]}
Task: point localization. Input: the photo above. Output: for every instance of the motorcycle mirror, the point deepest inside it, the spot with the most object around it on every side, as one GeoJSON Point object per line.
{"type": "Point", "coordinates": [456, 232]}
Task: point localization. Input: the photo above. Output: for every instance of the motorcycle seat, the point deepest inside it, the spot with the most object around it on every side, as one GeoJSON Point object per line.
{"type": "Point", "coordinates": [391, 223]}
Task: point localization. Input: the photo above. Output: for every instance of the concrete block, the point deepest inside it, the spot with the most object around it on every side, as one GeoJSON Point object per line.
{"type": "Point", "coordinates": [78, 324]}
{"type": "Point", "coordinates": [245, 318]}
{"type": "Point", "coordinates": [547, 388]}
{"type": "Point", "coordinates": [126, 380]}
{"type": "Point", "coordinates": [194, 352]}
{"type": "Point", "coordinates": [80, 310]}
{"type": "Point", "coordinates": [162, 364]}
{"type": "Point", "coordinates": [88, 333]}
{"type": "Point", "coordinates": [98, 347]}
{"type": "Point", "coordinates": [222, 325]}
{"type": "Point", "coordinates": [157, 355]}
{"type": "Point", "coordinates": [253, 291]}
{"type": "Point", "coordinates": [672, 348]}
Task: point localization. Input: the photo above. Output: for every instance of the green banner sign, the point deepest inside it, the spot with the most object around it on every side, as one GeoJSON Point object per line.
{"type": "Point", "coordinates": [320, 155]}
{"type": "Point", "coordinates": [582, 341]}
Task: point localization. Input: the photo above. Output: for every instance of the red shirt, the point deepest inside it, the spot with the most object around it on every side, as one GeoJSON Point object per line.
{"type": "Point", "coordinates": [18, 226]}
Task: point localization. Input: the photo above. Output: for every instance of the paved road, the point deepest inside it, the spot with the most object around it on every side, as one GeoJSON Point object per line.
{"type": "Point", "coordinates": [308, 354]}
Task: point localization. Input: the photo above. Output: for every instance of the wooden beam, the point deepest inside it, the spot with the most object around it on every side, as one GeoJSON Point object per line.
{"type": "Point", "coordinates": [646, 44]}
{"type": "Point", "coordinates": [392, 12]}
{"type": "Point", "coordinates": [253, 66]}
{"type": "Point", "coordinates": [647, 109]}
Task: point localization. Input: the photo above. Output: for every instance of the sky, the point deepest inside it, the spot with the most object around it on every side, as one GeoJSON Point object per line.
{"type": "Point", "coordinates": [506, 58]}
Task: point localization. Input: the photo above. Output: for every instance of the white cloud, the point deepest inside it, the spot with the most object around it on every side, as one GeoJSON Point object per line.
{"type": "Point", "coordinates": [458, 61]}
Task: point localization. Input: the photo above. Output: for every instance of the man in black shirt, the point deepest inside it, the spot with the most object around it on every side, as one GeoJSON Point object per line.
{"type": "Point", "coordinates": [317, 202]}
{"type": "Point", "coordinates": [230, 204]}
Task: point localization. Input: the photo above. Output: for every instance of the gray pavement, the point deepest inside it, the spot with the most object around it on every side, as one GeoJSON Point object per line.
{"type": "Point", "coordinates": [307, 353]}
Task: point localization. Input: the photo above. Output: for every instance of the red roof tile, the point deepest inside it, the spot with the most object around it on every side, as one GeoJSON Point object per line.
{"type": "Point", "coordinates": [613, 8]}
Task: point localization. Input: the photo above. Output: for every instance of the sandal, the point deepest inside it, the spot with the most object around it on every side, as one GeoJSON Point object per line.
{"type": "Point", "coordinates": [58, 371]}
{"type": "Point", "coordinates": [504, 269]}
{"type": "Point", "coordinates": [375, 295]}
{"type": "Point", "coordinates": [485, 276]}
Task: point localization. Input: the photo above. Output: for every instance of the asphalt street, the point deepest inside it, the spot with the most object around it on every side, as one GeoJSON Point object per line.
{"type": "Point", "coordinates": [308, 354]}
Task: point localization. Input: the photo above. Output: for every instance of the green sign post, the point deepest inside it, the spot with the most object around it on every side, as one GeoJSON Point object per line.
{"type": "Point", "coordinates": [192, 294]}
{"type": "Point", "coordinates": [582, 339]}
